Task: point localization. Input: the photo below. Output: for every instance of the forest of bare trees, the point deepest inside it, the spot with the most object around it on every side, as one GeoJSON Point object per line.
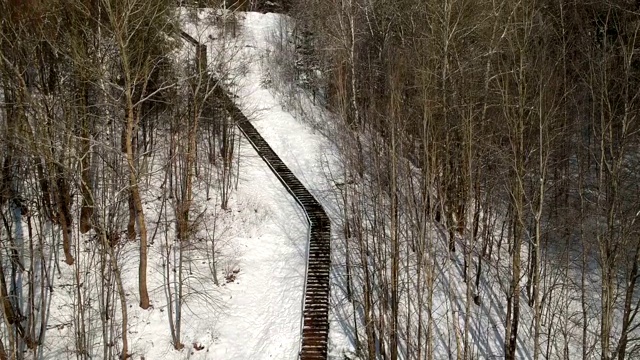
{"type": "Point", "coordinates": [96, 112]}
{"type": "Point", "coordinates": [508, 129]}
{"type": "Point", "coordinates": [487, 139]}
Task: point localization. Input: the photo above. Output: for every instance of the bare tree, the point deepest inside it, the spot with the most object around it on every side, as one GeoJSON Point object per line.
{"type": "Point", "coordinates": [137, 60]}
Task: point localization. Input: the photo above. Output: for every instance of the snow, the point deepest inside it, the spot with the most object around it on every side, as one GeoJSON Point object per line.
{"type": "Point", "coordinates": [310, 156]}
{"type": "Point", "coordinates": [307, 153]}
{"type": "Point", "coordinates": [261, 241]}
{"type": "Point", "coordinates": [314, 159]}
{"type": "Point", "coordinates": [263, 307]}
{"type": "Point", "coordinates": [255, 311]}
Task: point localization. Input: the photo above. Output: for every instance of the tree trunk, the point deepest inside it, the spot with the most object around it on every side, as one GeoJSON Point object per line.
{"type": "Point", "coordinates": [137, 202]}
{"type": "Point", "coordinates": [64, 213]}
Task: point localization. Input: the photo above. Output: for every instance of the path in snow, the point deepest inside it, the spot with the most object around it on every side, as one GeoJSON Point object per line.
{"type": "Point", "coordinates": [263, 314]}
{"type": "Point", "coordinates": [307, 153]}
{"type": "Point", "coordinates": [263, 307]}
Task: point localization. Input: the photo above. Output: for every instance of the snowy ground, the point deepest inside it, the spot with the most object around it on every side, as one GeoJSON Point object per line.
{"type": "Point", "coordinates": [309, 155]}
{"type": "Point", "coordinates": [261, 239]}
{"type": "Point", "coordinates": [273, 332]}
{"type": "Point", "coordinates": [262, 309]}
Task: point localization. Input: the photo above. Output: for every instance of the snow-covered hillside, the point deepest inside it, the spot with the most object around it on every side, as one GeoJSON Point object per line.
{"type": "Point", "coordinates": [260, 240]}
{"type": "Point", "coordinates": [310, 156]}
{"type": "Point", "coordinates": [243, 275]}
{"type": "Point", "coordinates": [255, 311]}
